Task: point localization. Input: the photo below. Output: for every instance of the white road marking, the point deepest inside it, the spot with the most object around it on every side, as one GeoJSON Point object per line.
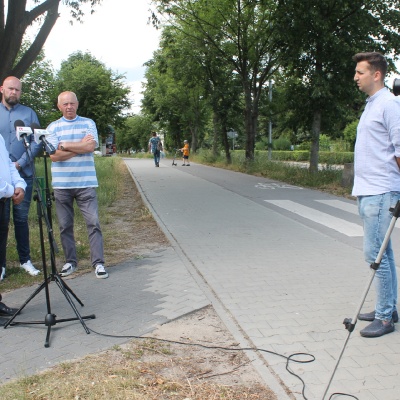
{"type": "Point", "coordinates": [341, 205]}
{"type": "Point", "coordinates": [338, 224]}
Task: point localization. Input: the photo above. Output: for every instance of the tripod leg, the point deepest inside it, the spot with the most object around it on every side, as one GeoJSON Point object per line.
{"type": "Point", "coordinates": [36, 292]}
{"type": "Point", "coordinates": [351, 323]}
{"type": "Point", "coordinates": [59, 281]}
{"type": "Point", "coordinates": [71, 303]}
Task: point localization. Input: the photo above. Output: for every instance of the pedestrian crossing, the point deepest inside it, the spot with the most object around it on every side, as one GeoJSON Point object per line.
{"type": "Point", "coordinates": [340, 225]}
{"type": "Point", "coordinates": [341, 205]}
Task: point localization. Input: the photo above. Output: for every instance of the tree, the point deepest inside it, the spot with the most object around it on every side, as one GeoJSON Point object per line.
{"type": "Point", "coordinates": [38, 88]}
{"type": "Point", "coordinates": [102, 94]}
{"type": "Point", "coordinates": [175, 92]}
{"type": "Point", "coordinates": [135, 133]}
{"type": "Point", "coordinates": [239, 32]}
{"type": "Point", "coordinates": [318, 39]}
{"type": "Point", "coordinates": [19, 19]}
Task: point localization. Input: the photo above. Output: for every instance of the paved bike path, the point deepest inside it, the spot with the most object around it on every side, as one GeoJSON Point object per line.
{"type": "Point", "coordinates": [284, 285]}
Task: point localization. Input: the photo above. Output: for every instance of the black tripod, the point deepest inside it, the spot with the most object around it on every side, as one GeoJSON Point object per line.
{"type": "Point", "coordinates": [44, 213]}
{"type": "Point", "coordinates": [350, 323]}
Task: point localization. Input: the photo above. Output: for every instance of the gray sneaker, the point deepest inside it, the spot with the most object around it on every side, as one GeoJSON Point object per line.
{"type": "Point", "coordinates": [3, 273]}
{"type": "Point", "coordinates": [67, 269]}
{"type": "Point", "coordinates": [101, 272]}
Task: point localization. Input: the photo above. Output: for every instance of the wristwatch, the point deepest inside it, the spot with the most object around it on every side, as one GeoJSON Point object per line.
{"type": "Point", "coordinates": [62, 147]}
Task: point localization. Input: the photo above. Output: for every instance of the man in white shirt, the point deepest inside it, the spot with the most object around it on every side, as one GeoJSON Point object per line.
{"type": "Point", "coordinates": [377, 184]}
{"type": "Point", "coordinates": [11, 186]}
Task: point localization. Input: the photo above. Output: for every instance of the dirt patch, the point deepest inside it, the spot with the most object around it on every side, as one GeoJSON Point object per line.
{"type": "Point", "coordinates": [130, 222]}
{"type": "Point", "coordinates": [190, 365]}
{"type": "Point", "coordinates": [210, 341]}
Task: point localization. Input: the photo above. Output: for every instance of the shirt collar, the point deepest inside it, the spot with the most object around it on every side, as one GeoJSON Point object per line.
{"type": "Point", "coordinates": [376, 95]}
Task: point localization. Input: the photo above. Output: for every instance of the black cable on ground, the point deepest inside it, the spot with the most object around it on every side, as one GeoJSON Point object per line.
{"type": "Point", "coordinates": [287, 358]}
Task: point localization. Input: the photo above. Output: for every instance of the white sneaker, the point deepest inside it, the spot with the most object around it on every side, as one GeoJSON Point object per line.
{"type": "Point", "coordinates": [67, 269]}
{"type": "Point", "coordinates": [3, 273]}
{"type": "Point", "coordinates": [101, 271]}
{"type": "Point", "coordinates": [28, 267]}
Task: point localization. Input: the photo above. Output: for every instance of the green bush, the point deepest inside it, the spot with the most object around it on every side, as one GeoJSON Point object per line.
{"type": "Point", "coordinates": [324, 143]}
{"type": "Point", "coordinates": [238, 156]}
{"type": "Point", "coordinates": [282, 143]}
{"type": "Point", "coordinates": [350, 133]}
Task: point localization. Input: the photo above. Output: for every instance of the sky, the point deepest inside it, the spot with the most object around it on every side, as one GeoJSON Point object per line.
{"type": "Point", "coordinates": [117, 34]}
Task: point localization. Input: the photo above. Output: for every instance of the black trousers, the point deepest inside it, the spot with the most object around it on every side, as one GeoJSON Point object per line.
{"type": "Point", "coordinates": [4, 224]}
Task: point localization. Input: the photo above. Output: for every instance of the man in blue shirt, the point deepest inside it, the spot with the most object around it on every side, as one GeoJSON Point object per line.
{"type": "Point", "coordinates": [11, 111]}
{"type": "Point", "coordinates": [12, 186]}
{"type": "Point", "coordinates": [377, 184]}
{"type": "Point", "coordinates": [155, 147]}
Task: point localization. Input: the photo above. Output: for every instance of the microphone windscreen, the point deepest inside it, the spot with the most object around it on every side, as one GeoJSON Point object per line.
{"type": "Point", "coordinates": [34, 126]}
{"type": "Point", "coordinates": [18, 122]}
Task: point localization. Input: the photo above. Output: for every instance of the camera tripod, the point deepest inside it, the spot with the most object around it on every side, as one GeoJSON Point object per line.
{"type": "Point", "coordinates": [350, 323]}
{"type": "Point", "coordinates": [44, 214]}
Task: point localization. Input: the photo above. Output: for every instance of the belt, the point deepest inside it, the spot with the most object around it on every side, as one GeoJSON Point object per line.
{"type": "Point", "coordinates": [3, 199]}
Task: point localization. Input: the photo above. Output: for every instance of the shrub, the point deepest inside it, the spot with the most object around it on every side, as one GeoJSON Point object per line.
{"type": "Point", "coordinates": [282, 143]}
{"type": "Point", "coordinates": [350, 133]}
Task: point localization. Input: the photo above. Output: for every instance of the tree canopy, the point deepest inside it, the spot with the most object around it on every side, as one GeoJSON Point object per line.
{"type": "Point", "coordinates": [102, 93]}
{"type": "Point", "coordinates": [42, 15]}
{"type": "Point", "coordinates": [305, 46]}
{"type": "Point", "coordinates": [318, 39]}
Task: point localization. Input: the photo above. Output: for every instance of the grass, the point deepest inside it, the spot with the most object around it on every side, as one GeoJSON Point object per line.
{"type": "Point", "coordinates": [327, 179]}
{"type": "Point", "coordinates": [111, 180]}
{"type": "Point", "coordinates": [144, 370]}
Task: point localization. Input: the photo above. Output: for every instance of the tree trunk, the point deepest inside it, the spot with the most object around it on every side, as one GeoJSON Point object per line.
{"type": "Point", "coordinates": [225, 143]}
{"type": "Point", "coordinates": [314, 153]}
{"type": "Point", "coordinates": [11, 35]}
{"type": "Point", "coordinates": [215, 139]}
{"type": "Point", "coordinates": [250, 120]}
{"type": "Point", "coordinates": [194, 144]}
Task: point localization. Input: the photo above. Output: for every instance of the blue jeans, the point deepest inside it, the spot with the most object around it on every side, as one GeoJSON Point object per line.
{"type": "Point", "coordinates": [86, 199]}
{"type": "Point", "coordinates": [374, 211]}
{"type": "Point", "coordinates": [21, 226]}
{"type": "Point", "coordinates": [156, 157]}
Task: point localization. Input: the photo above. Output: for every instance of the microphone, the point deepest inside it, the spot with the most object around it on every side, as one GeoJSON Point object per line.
{"type": "Point", "coordinates": [40, 136]}
{"type": "Point", "coordinates": [22, 131]}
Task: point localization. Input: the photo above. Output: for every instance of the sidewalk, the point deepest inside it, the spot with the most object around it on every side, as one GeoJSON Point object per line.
{"type": "Point", "coordinates": [138, 296]}
{"type": "Point", "coordinates": [276, 282]}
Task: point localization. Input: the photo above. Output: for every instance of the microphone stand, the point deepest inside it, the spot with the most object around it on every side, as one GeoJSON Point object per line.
{"type": "Point", "coordinates": [350, 323]}
{"type": "Point", "coordinates": [45, 214]}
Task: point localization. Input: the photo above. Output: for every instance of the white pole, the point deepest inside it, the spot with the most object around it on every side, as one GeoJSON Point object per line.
{"type": "Point", "coordinates": [270, 122]}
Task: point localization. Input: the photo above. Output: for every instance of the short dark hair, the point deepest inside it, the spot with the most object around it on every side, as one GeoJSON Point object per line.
{"type": "Point", "coordinates": [376, 61]}
{"type": "Point", "coordinates": [154, 133]}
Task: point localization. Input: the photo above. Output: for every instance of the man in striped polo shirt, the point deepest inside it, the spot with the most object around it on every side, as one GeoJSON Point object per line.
{"type": "Point", "coordinates": [74, 179]}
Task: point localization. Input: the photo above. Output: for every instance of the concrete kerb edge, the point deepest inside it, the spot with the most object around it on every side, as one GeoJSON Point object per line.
{"type": "Point", "coordinates": [258, 361]}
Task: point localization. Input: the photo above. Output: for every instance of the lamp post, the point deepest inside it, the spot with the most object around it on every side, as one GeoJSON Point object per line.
{"type": "Point", "coordinates": [270, 121]}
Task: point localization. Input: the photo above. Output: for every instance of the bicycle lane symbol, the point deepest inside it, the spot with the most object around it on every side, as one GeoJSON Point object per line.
{"type": "Point", "coordinates": [273, 186]}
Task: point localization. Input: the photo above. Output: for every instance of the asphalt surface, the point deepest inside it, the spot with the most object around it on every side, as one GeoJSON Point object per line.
{"type": "Point", "coordinates": [281, 265]}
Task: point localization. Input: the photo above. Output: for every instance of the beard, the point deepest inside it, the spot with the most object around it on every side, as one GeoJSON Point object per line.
{"type": "Point", "coordinates": [11, 100]}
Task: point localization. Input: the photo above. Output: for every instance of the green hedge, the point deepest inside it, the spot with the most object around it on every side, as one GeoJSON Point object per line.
{"type": "Point", "coordinates": [325, 157]}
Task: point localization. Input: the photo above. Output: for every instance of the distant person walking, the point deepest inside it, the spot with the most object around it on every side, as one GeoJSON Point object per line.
{"type": "Point", "coordinates": [186, 151]}
{"type": "Point", "coordinates": [155, 147]}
